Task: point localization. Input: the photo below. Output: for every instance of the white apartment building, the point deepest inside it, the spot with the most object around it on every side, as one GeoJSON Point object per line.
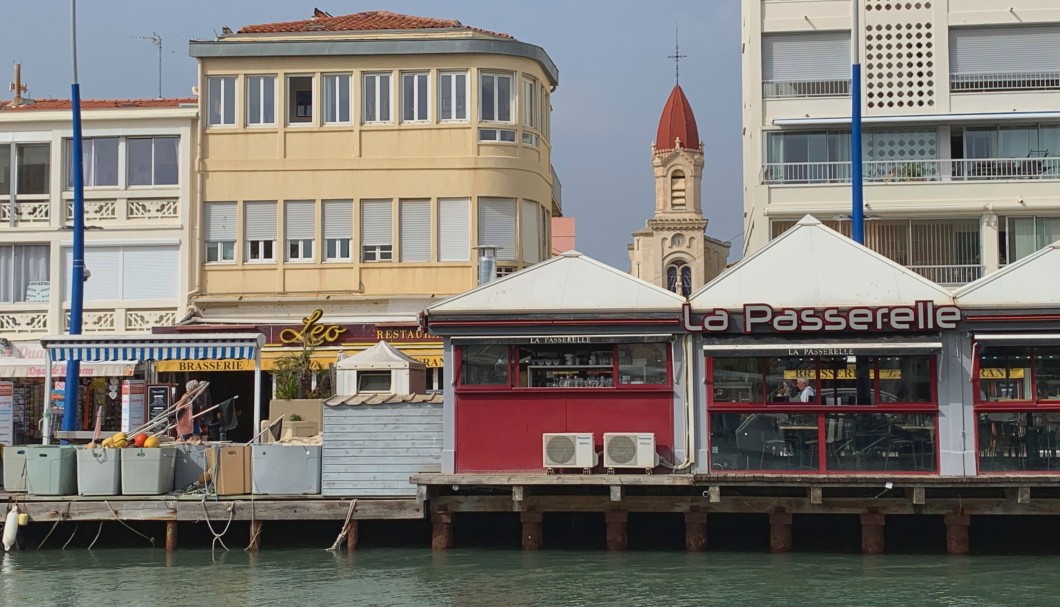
{"type": "Point", "coordinates": [961, 128]}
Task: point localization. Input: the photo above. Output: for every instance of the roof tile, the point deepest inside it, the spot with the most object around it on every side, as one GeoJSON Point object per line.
{"type": "Point", "coordinates": [366, 21]}
{"type": "Point", "coordinates": [99, 104]}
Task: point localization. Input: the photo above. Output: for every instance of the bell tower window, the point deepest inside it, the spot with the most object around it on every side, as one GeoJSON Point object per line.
{"type": "Point", "coordinates": [677, 190]}
{"type": "Point", "coordinates": [679, 278]}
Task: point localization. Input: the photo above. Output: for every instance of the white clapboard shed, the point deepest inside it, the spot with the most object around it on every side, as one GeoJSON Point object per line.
{"type": "Point", "coordinates": [382, 428]}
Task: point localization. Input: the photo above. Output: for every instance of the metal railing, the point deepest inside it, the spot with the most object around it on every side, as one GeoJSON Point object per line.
{"type": "Point", "coordinates": [950, 274]}
{"type": "Point", "coordinates": [779, 89]}
{"type": "Point", "coordinates": [888, 171]}
{"type": "Point", "coordinates": [1011, 81]}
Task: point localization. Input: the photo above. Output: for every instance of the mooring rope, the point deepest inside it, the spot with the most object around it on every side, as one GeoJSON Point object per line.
{"type": "Point", "coordinates": [257, 530]}
{"type": "Point", "coordinates": [62, 517]}
{"type": "Point", "coordinates": [217, 537]}
{"type": "Point", "coordinates": [345, 527]}
{"type": "Point", "coordinates": [76, 525]}
{"type": "Point", "coordinates": [126, 525]}
{"type": "Point", "coordinates": [98, 531]}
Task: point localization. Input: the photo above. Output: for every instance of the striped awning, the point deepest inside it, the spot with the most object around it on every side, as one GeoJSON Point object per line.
{"type": "Point", "coordinates": [92, 348]}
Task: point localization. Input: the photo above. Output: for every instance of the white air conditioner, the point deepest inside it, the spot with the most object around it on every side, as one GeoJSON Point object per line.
{"type": "Point", "coordinates": [630, 450]}
{"type": "Point", "coordinates": [569, 450]}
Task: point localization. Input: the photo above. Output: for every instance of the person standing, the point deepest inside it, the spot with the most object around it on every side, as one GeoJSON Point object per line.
{"type": "Point", "coordinates": [806, 393]}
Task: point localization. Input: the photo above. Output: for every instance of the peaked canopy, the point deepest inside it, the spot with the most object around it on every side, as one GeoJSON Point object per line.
{"type": "Point", "coordinates": [1030, 282]}
{"type": "Point", "coordinates": [380, 356]}
{"type": "Point", "coordinates": [812, 266]}
{"type": "Point", "coordinates": [677, 122]}
{"type": "Point", "coordinates": [568, 283]}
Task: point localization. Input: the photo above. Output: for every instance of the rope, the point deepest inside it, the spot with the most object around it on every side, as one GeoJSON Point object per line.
{"type": "Point", "coordinates": [209, 525]}
{"type": "Point", "coordinates": [345, 527]}
{"type": "Point", "coordinates": [98, 531]}
{"type": "Point", "coordinates": [76, 525]}
{"type": "Point", "coordinates": [257, 530]}
{"type": "Point", "coordinates": [62, 516]}
{"type": "Point", "coordinates": [126, 525]}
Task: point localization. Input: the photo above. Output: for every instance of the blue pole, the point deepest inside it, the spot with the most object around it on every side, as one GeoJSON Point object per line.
{"type": "Point", "coordinates": [77, 274]}
{"type": "Point", "coordinates": [857, 210]}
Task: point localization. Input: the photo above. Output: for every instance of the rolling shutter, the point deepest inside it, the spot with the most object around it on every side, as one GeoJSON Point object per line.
{"type": "Point", "coordinates": [299, 219]}
{"type": "Point", "coordinates": [377, 222]}
{"type": "Point", "coordinates": [260, 221]}
{"type": "Point", "coordinates": [454, 229]}
{"type": "Point", "coordinates": [150, 272]}
{"type": "Point", "coordinates": [415, 230]}
{"type": "Point", "coordinates": [1005, 50]}
{"type": "Point", "coordinates": [529, 239]}
{"type": "Point", "coordinates": [338, 219]}
{"type": "Point", "coordinates": [496, 226]}
{"type": "Point", "coordinates": [105, 269]}
{"type": "Point", "coordinates": [806, 57]}
{"type": "Point", "coordinates": [219, 221]}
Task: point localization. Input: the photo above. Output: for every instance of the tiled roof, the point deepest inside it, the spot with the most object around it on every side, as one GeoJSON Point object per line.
{"type": "Point", "coordinates": [99, 104]}
{"type": "Point", "coordinates": [384, 399]}
{"type": "Point", "coordinates": [366, 21]}
{"type": "Point", "coordinates": [677, 122]}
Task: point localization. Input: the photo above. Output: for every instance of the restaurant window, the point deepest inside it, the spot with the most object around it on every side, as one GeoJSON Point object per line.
{"type": "Point", "coordinates": [642, 364]}
{"type": "Point", "coordinates": [570, 365]}
{"type": "Point", "coordinates": [484, 365]}
{"type": "Point", "coordinates": [452, 96]}
{"type": "Point", "coordinates": [848, 413]}
{"type": "Point", "coordinates": [336, 99]}
{"type": "Point", "coordinates": [221, 100]}
{"type": "Point", "coordinates": [24, 273]}
{"type": "Point", "coordinates": [153, 160]}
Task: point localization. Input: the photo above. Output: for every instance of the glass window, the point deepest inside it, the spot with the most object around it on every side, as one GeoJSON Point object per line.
{"type": "Point", "coordinates": [261, 100]}
{"type": "Point", "coordinates": [152, 161]}
{"type": "Point", "coordinates": [737, 380]}
{"type": "Point", "coordinates": [5, 170]}
{"type": "Point", "coordinates": [259, 225]}
{"type": "Point", "coordinates": [530, 103]}
{"type": "Point", "coordinates": [452, 93]}
{"type": "Point", "coordinates": [505, 135]}
{"type": "Point", "coordinates": [34, 161]}
{"type": "Point", "coordinates": [219, 231]}
{"type": "Point", "coordinates": [373, 381]}
{"type": "Point", "coordinates": [1019, 441]}
{"type": "Point", "coordinates": [376, 95]}
{"type": "Point", "coordinates": [1005, 374]}
{"type": "Point", "coordinates": [484, 365]}
{"type": "Point", "coordinates": [299, 99]}
{"type": "Point", "coordinates": [762, 441]}
{"type": "Point", "coordinates": [643, 364]}
{"type": "Point", "coordinates": [414, 97]}
{"type": "Point", "coordinates": [454, 229]}
{"type": "Point", "coordinates": [1047, 373]}
{"type": "Point", "coordinates": [1026, 235]}
{"type": "Point", "coordinates": [898, 442]}
{"type": "Point", "coordinates": [338, 229]}
{"type": "Point", "coordinates": [566, 366]}
{"type": "Point", "coordinates": [906, 379]}
{"type": "Point", "coordinates": [791, 379]}
{"type": "Point", "coordinates": [24, 271]}
{"type": "Point", "coordinates": [99, 162]}
{"type": "Point", "coordinates": [377, 235]}
{"type": "Point", "coordinates": [221, 100]}
{"type": "Point", "coordinates": [336, 98]}
{"type": "Point", "coordinates": [415, 230]}
{"type": "Point", "coordinates": [495, 97]}
{"type": "Point", "coordinates": [299, 225]}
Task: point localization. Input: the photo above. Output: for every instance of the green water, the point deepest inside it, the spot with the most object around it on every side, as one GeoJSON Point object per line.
{"type": "Point", "coordinates": [400, 577]}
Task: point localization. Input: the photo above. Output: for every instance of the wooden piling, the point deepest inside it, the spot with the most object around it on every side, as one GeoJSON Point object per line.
{"type": "Point", "coordinates": [617, 530]}
{"type": "Point", "coordinates": [957, 533]}
{"type": "Point", "coordinates": [441, 530]}
{"type": "Point", "coordinates": [872, 533]}
{"type": "Point", "coordinates": [533, 537]}
{"type": "Point", "coordinates": [171, 536]}
{"type": "Point", "coordinates": [352, 529]}
{"type": "Point", "coordinates": [695, 531]}
{"type": "Point", "coordinates": [255, 536]}
{"type": "Point", "coordinates": [779, 532]}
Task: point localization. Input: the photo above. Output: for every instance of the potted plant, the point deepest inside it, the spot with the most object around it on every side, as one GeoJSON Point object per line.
{"type": "Point", "coordinates": [912, 171]}
{"type": "Point", "coordinates": [301, 386]}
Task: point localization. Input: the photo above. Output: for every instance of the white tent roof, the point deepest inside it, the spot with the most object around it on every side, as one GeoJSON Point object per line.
{"type": "Point", "coordinates": [813, 266]}
{"type": "Point", "coordinates": [380, 356]}
{"type": "Point", "coordinates": [1030, 282]}
{"type": "Point", "coordinates": [569, 282]}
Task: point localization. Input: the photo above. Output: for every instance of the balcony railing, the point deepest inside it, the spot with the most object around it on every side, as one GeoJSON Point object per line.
{"type": "Point", "coordinates": [1012, 81]}
{"type": "Point", "coordinates": [950, 274]}
{"type": "Point", "coordinates": [778, 89]}
{"type": "Point", "coordinates": [887, 171]}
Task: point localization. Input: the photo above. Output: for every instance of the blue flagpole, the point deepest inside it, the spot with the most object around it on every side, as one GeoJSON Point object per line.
{"type": "Point", "coordinates": [857, 210]}
{"type": "Point", "coordinates": [77, 274]}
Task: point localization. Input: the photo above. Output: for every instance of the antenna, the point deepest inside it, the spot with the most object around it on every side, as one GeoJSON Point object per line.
{"type": "Point", "coordinates": [677, 57]}
{"type": "Point", "coordinates": [157, 41]}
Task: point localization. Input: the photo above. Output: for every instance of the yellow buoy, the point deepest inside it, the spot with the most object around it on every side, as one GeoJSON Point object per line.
{"type": "Point", "coordinates": [151, 442]}
{"type": "Point", "coordinates": [23, 519]}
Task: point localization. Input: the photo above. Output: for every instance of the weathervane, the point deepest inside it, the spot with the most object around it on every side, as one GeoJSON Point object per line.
{"type": "Point", "coordinates": [677, 57]}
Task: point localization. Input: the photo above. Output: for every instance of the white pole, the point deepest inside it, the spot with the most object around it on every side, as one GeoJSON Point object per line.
{"type": "Point", "coordinates": [46, 432]}
{"type": "Point", "coordinates": [257, 394]}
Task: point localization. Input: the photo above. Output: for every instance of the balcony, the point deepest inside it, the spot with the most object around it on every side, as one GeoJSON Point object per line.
{"type": "Point", "coordinates": [801, 89]}
{"type": "Point", "coordinates": [1002, 81]}
{"type": "Point", "coordinates": [891, 171]}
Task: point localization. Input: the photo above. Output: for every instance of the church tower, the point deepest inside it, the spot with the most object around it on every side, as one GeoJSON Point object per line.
{"type": "Point", "coordinates": [672, 250]}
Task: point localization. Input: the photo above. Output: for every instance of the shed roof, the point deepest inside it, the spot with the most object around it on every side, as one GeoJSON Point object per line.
{"type": "Point", "coordinates": [376, 398]}
{"type": "Point", "coordinates": [568, 283]}
{"type": "Point", "coordinates": [811, 265]}
{"type": "Point", "coordinates": [380, 356]}
{"type": "Point", "coordinates": [1033, 281]}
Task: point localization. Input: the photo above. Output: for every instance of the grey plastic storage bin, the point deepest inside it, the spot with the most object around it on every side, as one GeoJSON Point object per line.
{"type": "Point", "coordinates": [147, 471]}
{"type": "Point", "coordinates": [99, 471]}
{"type": "Point", "coordinates": [14, 469]}
{"type": "Point", "coordinates": [190, 464]}
{"type": "Point", "coordinates": [51, 469]}
{"type": "Point", "coordinates": [285, 469]}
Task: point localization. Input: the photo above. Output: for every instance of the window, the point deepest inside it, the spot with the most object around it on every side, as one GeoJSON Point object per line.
{"type": "Point", "coordinates": [299, 225]}
{"type": "Point", "coordinates": [377, 236]}
{"type": "Point", "coordinates": [530, 103]}
{"type": "Point", "coordinates": [373, 381]}
{"type": "Point", "coordinates": [452, 93]}
{"type": "Point", "coordinates": [806, 64]}
{"type": "Point", "coordinates": [495, 97]}
{"type": "Point", "coordinates": [496, 226]}
{"type": "Point", "coordinates": [131, 273]}
{"type": "Point", "coordinates": [219, 229]}
{"type": "Point", "coordinates": [529, 239]}
{"type": "Point", "coordinates": [677, 190]}
{"type": "Point", "coordinates": [376, 95]}
{"type": "Point", "coordinates": [454, 229]}
{"type": "Point", "coordinates": [99, 162]}
{"type": "Point", "coordinates": [33, 163]}
{"type": "Point", "coordinates": [336, 98]}
{"type": "Point", "coordinates": [679, 278]}
{"type": "Point", "coordinates": [496, 135]}
{"type": "Point", "coordinates": [484, 365]}
{"type": "Point", "coordinates": [414, 97]}
{"type": "Point", "coordinates": [1004, 58]}
{"type": "Point", "coordinates": [643, 364]}
{"type": "Point", "coordinates": [1025, 235]}
{"type": "Point", "coordinates": [153, 160]}
{"type": "Point", "coordinates": [299, 99]}
{"type": "Point", "coordinates": [415, 218]}
{"type": "Point", "coordinates": [24, 271]}
{"type": "Point", "coordinates": [530, 139]}
{"type": "Point", "coordinates": [259, 230]}
{"type": "Point", "coordinates": [338, 227]}
{"type": "Point", "coordinates": [5, 170]}
{"type": "Point", "coordinates": [221, 100]}
{"type": "Point", "coordinates": [261, 100]}
{"type": "Point", "coordinates": [630, 366]}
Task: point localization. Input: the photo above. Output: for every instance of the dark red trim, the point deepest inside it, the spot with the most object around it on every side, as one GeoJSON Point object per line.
{"type": "Point", "coordinates": [553, 323]}
{"type": "Point", "coordinates": [1013, 318]}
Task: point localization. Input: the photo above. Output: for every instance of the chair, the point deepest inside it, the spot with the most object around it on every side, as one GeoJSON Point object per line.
{"type": "Point", "coordinates": [775, 447]}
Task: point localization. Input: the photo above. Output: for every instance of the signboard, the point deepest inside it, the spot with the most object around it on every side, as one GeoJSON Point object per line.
{"type": "Point", "coordinates": [38, 291]}
{"type": "Point", "coordinates": [314, 327]}
{"type": "Point", "coordinates": [132, 404]}
{"type": "Point", "coordinates": [921, 316]}
{"type": "Point", "coordinates": [7, 413]}
{"type": "Point", "coordinates": [159, 398]}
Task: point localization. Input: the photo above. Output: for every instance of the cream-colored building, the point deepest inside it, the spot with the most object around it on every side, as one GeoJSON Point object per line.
{"type": "Point", "coordinates": [961, 131]}
{"type": "Point", "coordinates": [672, 250]}
{"type": "Point", "coordinates": [353, 164]}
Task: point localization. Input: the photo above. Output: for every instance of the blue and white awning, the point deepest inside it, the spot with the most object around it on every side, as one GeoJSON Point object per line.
{"type": "Point", "coordinates": [91, 348]}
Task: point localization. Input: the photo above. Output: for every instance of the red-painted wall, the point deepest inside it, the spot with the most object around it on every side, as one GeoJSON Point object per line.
{"type": "Point", "coordinates": [501, 431]}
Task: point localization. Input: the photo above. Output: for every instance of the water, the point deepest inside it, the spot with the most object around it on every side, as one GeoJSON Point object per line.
{"type": "Point", "coordinates": [483, 577]}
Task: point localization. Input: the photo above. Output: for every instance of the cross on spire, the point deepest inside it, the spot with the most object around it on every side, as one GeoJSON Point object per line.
{"type": "Point", "coordinates": [677, 57]}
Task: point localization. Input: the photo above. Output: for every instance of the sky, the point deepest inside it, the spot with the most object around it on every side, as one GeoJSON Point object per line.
{"type": "Point", "coordinates": [614, 79]}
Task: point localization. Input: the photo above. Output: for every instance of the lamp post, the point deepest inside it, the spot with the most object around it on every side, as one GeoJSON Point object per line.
{"type": "Point", "coordinates": [857, 211]}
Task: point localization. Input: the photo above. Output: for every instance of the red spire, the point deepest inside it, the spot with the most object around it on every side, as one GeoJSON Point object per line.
{"type": "Point", "coordinates": [677, 122]}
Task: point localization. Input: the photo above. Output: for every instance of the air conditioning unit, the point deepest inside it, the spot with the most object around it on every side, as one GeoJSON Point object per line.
{"type": "Point", "coordinates": [569, 450]}
{"type": "Point", "coordinates": [630, 450]}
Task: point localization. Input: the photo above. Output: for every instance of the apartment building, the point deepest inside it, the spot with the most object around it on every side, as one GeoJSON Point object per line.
{"type": "Point", "coordinates": [961, 128]}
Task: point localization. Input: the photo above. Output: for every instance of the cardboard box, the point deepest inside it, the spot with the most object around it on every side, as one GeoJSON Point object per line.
{"type": "Point", "coordinates": [298, 430]}
{"type": "Point", "coordinates": [230, 467]}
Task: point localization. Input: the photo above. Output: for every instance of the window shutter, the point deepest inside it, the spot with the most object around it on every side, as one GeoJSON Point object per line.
{"type": "Point", "coordinates": [149, 272]}
{"type": "Point", "coordinates": [299, 219]}
{"type": "Point", "coordinates": [377, 218]}
{"type": "Point", "coordinates": [260, 221]}
{"type": "Point", "coordinates": [806, 57]}
{"type": "Point", "coordinates": [454, 229]}
{"type": "Point", "coordinates": [338, 219]}
{"type": "Point", "coordinates": [496, 226]}
{"type": "Point", "coordinates": [415, 230]}
{"type": "Point", "coordinates": [1004, 50]}
{"type": "Point", "coordinates": [529, 239]}
{"type": "Point", "coordinates": [105, 265]}
{"type": "Point", "coordinates": [219, 219]}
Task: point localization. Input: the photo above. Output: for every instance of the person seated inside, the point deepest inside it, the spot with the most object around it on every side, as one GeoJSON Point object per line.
{"type": "Point", "coordinates": [805, 390]}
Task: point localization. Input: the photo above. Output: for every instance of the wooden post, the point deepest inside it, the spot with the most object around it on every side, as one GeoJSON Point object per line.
{"type": "Point", "coordinates": [617, 530]}
{"type": "Point", "coordinates": [533, 537]}
{"type": "Point", "coordinates": [872, 532]}
{"type": "Point", "coordinates": [441, 530]}
{"type": "Point", "coordinates": [352, 529]}
{"type": "Point", "coordinates": [957, 533]}
{"type": "Point", "coordinates": [255, 536]}
{"type": "Point", "coordinates": [695, 531]}
{"type": "Point", "coordinates": [171, 536]}
{"type": "Point", "coordinates": [779, 532]}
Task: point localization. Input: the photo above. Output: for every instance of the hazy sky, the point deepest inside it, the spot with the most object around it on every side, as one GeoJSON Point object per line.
{"type": "Point", "coordinates": [612, 58]}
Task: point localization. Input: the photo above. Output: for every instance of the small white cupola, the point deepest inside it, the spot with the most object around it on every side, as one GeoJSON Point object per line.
{"type": "Point", "coordinates": [381, 369]}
